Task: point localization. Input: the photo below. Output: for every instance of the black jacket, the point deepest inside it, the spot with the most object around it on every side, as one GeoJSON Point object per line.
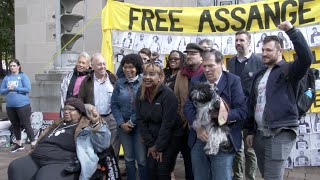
{"type": "Point", "coordinates": [254, 64]}
{"type": "Point", "coordinates": [281, 109]}
{"type": "Point", "coordinates": [158, 121]}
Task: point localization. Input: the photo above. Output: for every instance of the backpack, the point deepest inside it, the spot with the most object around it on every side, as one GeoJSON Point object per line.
{"type": "Point", "coordinates": [305, 92]}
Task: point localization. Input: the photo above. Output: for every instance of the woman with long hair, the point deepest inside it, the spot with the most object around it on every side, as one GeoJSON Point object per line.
{"type": "Point", "coordinates": [16, 87]}
{"type": "Point", "coordinates": [175, 61]}
{"type": "Point", "coordinates": [161, 129]}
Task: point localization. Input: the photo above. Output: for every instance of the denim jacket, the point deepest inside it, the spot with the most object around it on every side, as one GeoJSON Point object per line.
{"type": "Point", "coordinates": [123, 100]}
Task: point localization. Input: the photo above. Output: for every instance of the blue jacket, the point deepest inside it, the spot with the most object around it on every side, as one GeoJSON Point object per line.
{"type": "Point", "coordinates": [230, 89]}
{"type": "Point", "coordinates": [19, 96]}
{"type": "Point", "coordinates": [281, 109]}
{"type": "Point", "coordinates": [123, 101]}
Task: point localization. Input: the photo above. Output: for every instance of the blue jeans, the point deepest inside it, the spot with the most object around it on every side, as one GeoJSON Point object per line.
{"type": "Point", "coordinates": [210, 167]}
{"type": "Point", "coordinates": [134, 150]}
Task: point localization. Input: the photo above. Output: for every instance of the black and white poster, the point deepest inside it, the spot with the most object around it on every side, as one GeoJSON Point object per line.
{"type": "Point", "coordinates": [303, 142]}
{"type": "Point", "coordinates": [314, 35]}
{"type": "Point", "coordinates": [315, 157]}
{"type": "Point", "coordinates": [302, 158]}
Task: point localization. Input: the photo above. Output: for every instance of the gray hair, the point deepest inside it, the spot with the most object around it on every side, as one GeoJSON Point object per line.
{"type": "Point", "coordinates": [95, 56]}
{"type": "Point", "coordinates": [86, 56]}
{"type": "Point", "coordinates": [208, 41]}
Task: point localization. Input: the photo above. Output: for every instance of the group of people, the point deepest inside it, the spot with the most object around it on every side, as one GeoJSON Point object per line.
{"type": "Point", "coordinates": [149, 111]}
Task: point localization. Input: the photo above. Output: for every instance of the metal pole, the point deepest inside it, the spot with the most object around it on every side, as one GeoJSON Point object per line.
{"type": "Point", "coordinates": [58, 63]}
{"type": "Point", "coordinates": [83, 24]}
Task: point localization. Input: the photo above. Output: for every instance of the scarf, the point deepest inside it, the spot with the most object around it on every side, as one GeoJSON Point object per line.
{"type": "Point", "coordinates": [73, 80]}
{"type": "Point", "coordinates": [190, 73]}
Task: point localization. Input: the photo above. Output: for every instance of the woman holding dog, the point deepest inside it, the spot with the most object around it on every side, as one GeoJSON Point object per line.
{"type": "Point", "coordinates": [161, 129]}
{"type": "Point", "coordinates": [228, 87]}
{"type": "Point", "coordinates": [124, 111]}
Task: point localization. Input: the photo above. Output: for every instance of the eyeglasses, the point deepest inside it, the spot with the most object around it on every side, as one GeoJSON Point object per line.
{"type": "Point", "coordinates": [174, 59]}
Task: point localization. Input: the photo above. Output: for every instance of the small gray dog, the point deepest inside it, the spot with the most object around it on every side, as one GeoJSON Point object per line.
{"type": "Point", "coordinates": [207, 102]}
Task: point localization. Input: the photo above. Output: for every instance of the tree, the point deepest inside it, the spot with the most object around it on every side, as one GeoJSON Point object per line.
{"type": "Point", "coordinates": [7, 39]}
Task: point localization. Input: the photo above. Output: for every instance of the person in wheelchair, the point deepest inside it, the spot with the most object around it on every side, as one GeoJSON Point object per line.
{"type": "Point", "coordinates": [65, 147]}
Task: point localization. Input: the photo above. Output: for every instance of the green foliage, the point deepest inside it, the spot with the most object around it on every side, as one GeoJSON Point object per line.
{"type": "Point", "coordinates": [7, 39]}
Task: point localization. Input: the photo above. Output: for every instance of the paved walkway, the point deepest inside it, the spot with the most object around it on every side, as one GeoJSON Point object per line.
{"type": "Point", "coordinates": [302, 173]}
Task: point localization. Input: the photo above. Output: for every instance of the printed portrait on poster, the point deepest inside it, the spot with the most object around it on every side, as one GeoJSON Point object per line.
{"type": "Point", "coordinates": [314, 35]}
{"type": "Point", "coordinates": [140, 41]}
{"type": "Point", "coordinates": [289, 162]}
{"type": "Point", "coordinates": [225, 2]}
{"type": "Point", "coordinates": [182, 42]}
{"type": "Point", "coordinates": [116, 37]}
{"type": "Point", "coordinates": [216, 41]}
{"type": "Point", "coordinates": [167, 44]}
{"type": "Point", "coordinates": [305, 35]}
{"type": "Point", "coordinates": [36, 119]}
{"type": "Point", "coordinates": [301, 158]}
{"type": "Point", "coordinates": [305, 124]}
{"type": "Point", "coordinates": [196, 38]}
{"type": "Point", "coordinates": [127, 40]}
{"type": "Point", "coordinates": [228, 45]}
{"type": "Point", "coordinates": [201, 3]}
{"type": "Point", "coordinates": [315, 157]}
{"type": "Point", "coordinates": [315, 141]}
{"type": "Point", "coordinates": [154, 43]}
{"type": "Point", "coordinates": [315, 122]}
{"type": "Point", "coordinates": [118, 54]}
{"type": "Point", "coordinates": [303, 142]}
{"type": "Point", "coordinates": [258, 40]}
{"type": "Point", "coordinates": [284, 38]}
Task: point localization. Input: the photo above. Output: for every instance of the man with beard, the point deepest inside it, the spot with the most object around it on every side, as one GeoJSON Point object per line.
{"type": "Point", "coordinates": [245, 64]}
{"type": "Point", "coordinates": [193, 67]}
{"type": "Point", "coordinates": [273, 114]}
{"type": "Point", "coordinates": [315, 36]}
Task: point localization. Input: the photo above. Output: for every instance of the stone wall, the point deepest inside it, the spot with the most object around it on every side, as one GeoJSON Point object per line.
{"type": "Point", "coordinates": [34, 29]}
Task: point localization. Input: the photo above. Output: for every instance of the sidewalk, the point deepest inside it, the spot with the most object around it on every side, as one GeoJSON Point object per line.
{"type": "Point", "coordinates": [302, 173]}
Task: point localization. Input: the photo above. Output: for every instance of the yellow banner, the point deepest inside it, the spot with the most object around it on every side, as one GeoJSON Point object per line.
{"type": "Point", "coordinates": [211, 19]}
{"type": "Point", "coordinates": [204, 20]}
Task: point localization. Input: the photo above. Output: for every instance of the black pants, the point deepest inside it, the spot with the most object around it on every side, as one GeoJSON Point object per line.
{"type": "Point", "coordinates": [26, 168]}
{"type": "Point", "coordinates": [186, 154]}
{"type": "Point", "coordinates": [161, 170]}
{"type": "Point", "coordinates": [20, 117]}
